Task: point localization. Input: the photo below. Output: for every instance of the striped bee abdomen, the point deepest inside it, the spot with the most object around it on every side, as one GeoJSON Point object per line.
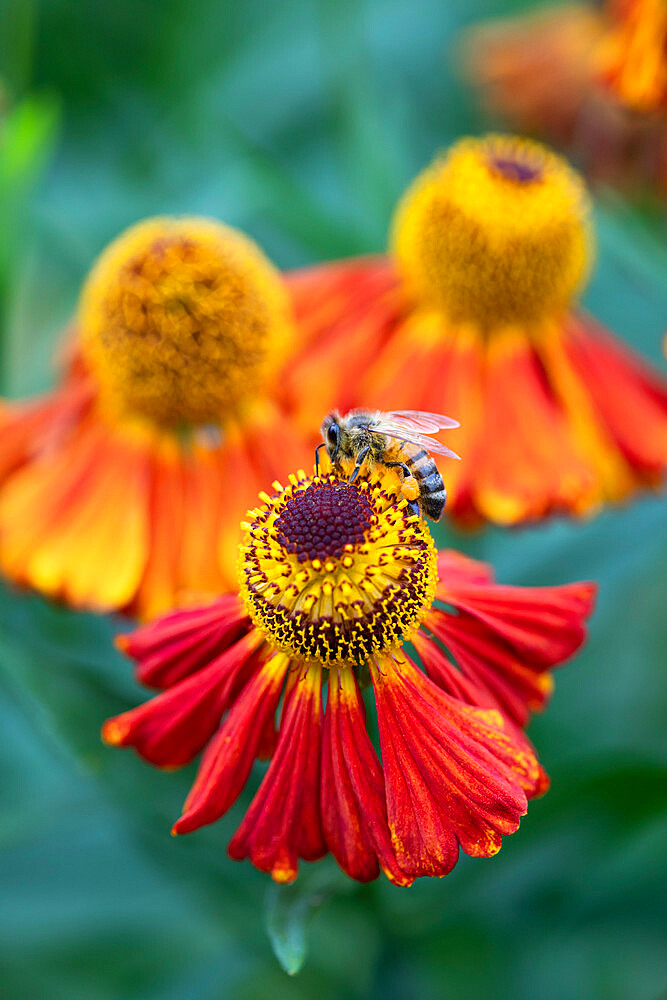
{"type": "Point", "coordinates": [432, 492]}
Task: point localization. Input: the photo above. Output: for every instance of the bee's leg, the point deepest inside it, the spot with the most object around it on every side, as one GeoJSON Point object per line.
{"type": "Point", "coordinates": [414, 506]}
{"type": "Point", "coordinates": [402, 465]}
{"type": "Point", "coordinates": [360, 461]}
{"type": "Point", "coordinates": [317, 458]}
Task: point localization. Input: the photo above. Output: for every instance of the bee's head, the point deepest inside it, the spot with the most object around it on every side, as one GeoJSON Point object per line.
{"type": "Point", "coordinates": [331, 434]}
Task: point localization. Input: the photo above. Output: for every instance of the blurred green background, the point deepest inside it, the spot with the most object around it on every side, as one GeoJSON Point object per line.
{"type": "Point", "coordinates": [300, 122]}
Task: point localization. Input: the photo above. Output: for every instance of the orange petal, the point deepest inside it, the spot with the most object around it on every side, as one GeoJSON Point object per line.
{"type": "Point", "coordinates": [432, 366]}
{"type": "Point", "coordinates": [344, 311]}
{"type": "Point", "coordinates": [527, 465]}
{"type": "Point", "coordinates": [74, 522]}
{"type": "Point", "coordinates": [159, 588]}
{"type": "Point", "coordinates": [205, 501]}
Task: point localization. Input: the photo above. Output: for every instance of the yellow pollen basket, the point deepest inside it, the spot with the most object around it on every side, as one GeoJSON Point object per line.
{"type": "Point", "coordinates": [182, 319]}
{"type": "Point", "coordinates": [334, 571]}
{"type": "Point", "coordinates": [494, 233]}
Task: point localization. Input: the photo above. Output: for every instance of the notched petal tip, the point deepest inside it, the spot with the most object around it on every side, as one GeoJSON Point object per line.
{"type": "Point", "coordinates": [284, 875]}
{"type": "Point", "coordinates": [115, 731]}
{"type": "Point", "coordinates": [122, 642]}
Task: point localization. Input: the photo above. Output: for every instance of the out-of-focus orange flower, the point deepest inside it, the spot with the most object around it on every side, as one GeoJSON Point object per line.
{"type": "Point", "coordinates": [334, 577]}
{"type": "Point", "coordinates": [631, 57]}
{"type": "Point", "coordinates": [124, 487]}
{"type": "Point", "coordinates": [591, 79]}
{"type": "Point", "coordinates": [472, 315]}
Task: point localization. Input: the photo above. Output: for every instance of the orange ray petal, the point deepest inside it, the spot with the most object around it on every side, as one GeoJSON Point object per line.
{"type": "Point", "coordinates": [527, 465]}
{"type": "Point", "coordinates": [428, 365]}
{"type": "Point", "coordinates": [345, 311]}
{"type": "Point", "coordinates": [74, 522]}
{"type": "Point", "coordinates": [159, 588]}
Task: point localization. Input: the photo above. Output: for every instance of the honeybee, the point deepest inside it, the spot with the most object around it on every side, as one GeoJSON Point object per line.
{"type": "Point", "coordinates": [397, 439]}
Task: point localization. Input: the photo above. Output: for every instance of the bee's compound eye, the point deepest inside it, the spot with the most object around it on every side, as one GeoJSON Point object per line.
{"type": "Point", "coordinates": [333, 437]}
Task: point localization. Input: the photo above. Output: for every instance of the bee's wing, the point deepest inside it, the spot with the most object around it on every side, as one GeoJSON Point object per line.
{"type": "Point", "coordinates": [427, 443]}
{"type": "Point", "coordinates": [414, 429]}
{"type": "Point", "coordinates": [421, 421]}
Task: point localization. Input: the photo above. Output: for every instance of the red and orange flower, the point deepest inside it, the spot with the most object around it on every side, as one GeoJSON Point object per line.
{"type": "Point", "coordinates": [472, 314]}
{"type": "Point", "coordinates": [593, 80]}
{"type": "Point", "coordinates": [124, 487]}
{"type": "Point", "coordinates": [334, 579]}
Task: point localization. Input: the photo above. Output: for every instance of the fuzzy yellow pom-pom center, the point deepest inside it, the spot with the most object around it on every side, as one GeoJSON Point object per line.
{"type": "Point", "coordinates": [181, 319]}
{"type": "Point", "coordinates": [494, 233]}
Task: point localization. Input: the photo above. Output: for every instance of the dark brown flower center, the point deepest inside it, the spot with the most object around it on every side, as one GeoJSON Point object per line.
{"type": "Point", "coordinates": [516, 170]}
{"type": "Point", "coordinates": [337, 571]}
{"type": "Point", "coordinates": [321, 521]}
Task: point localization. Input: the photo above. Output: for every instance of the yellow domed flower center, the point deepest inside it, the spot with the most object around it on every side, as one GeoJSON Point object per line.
{"type": "Point", "coordinates": [181, 319]}
{"type": "Point", "coordinates": [336, 571]}
{"type": "Point", "coordinates": [494, 233]}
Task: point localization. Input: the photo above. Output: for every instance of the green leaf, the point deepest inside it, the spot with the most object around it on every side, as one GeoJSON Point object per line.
{"type": "Point", "coordinates": [26, 141]}
{"type": "Point", "coordinates": [289, 910]}
{"type": "Point", "coordinates": [27, 137]}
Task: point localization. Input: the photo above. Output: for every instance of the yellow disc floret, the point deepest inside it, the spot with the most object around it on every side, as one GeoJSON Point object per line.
{"type": "Point", "coordinates": [181, 319]}
{"type": "Point", "coordinates": [337, 571]}
{"type": "Point", "coordinates": [494, 233]}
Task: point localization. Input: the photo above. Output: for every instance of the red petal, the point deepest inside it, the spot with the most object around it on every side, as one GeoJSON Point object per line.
{"type": "Point", "coordinates": [504, 639]}
{"type": "Point", "coordinates": [454, 568]}
{"type": "Point", "coordinates": [631, 399]}
{"type": "Point", "coordinates": [229, 757]}
{"type": "Point", "coordinates": [543, 625]}
{"type": "Point", "coordinates": [445, 674]}
{"type": "Point", "coordinates": [172, 728]}
{"type": "Point", "coordinates": [354, 813]}
{"type": "Point", "coordinates": [453, 775]}
{"type": "Point", "coordinates": [180, 643]}
{"type": "Point", "coordinates": [483, 691]}
{"type": "Point", "coordinates": [490, 665]}
{"type": "Point", "coordinates": [283, 821]}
